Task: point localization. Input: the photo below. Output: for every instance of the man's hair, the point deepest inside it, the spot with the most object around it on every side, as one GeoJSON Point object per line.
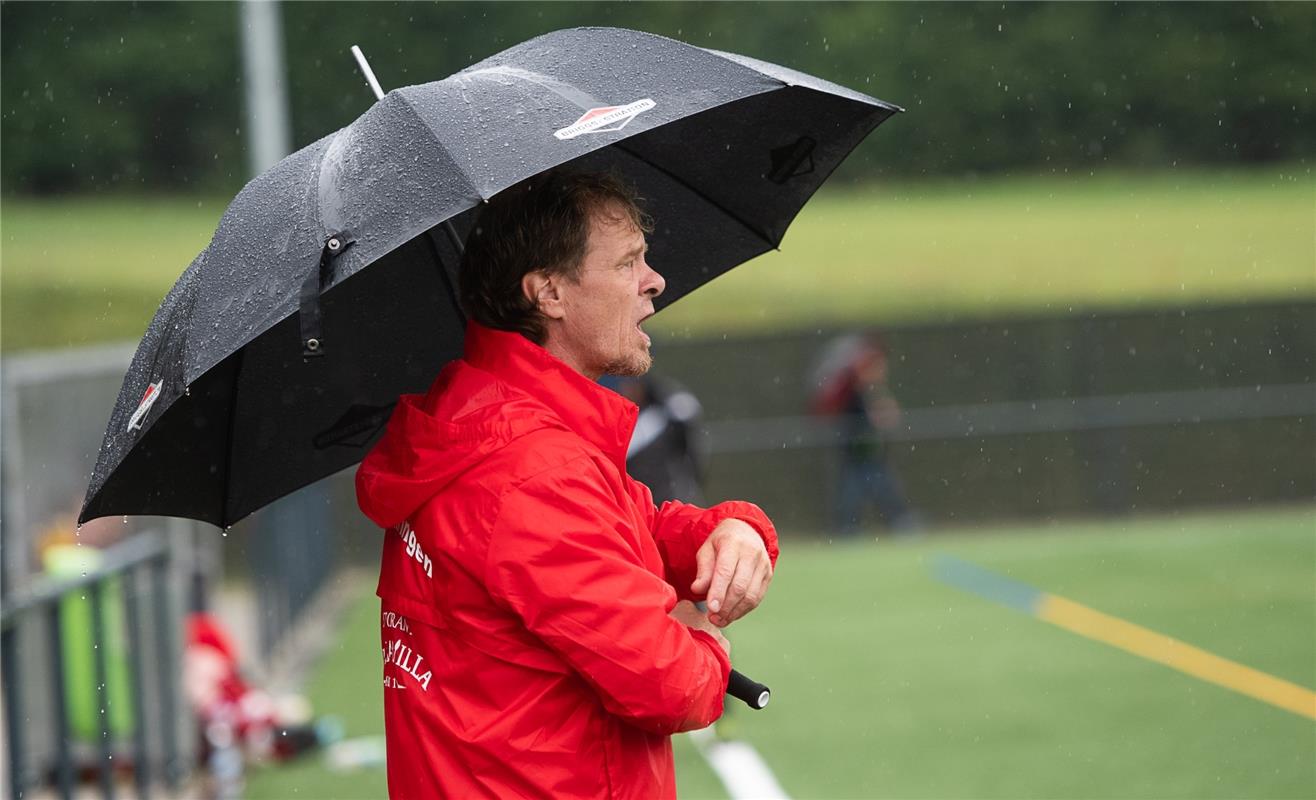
{"type": "Point", "coordinates": [541, 223]}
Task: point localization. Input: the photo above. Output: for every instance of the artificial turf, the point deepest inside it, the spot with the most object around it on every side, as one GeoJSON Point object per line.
{"type": "Point", "coordinates": [889, 683]}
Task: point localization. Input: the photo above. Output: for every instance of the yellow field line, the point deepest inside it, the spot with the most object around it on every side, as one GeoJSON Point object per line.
{"type": "Point", "coordinates": [1176, 654]}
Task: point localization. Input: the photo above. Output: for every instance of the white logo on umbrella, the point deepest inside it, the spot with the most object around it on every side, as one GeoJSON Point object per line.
{"type": "Point", "coordinates": [148, 399]}
{"type": "Point", "coordinates": [606, 118]}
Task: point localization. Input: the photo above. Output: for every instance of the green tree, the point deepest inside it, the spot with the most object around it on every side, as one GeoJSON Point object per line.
{"type": "Point", "coordinates": [107, 95]}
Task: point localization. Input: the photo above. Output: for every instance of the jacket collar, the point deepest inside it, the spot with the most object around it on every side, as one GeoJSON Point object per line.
{"type": "Point", "coordinates": [598, 415]}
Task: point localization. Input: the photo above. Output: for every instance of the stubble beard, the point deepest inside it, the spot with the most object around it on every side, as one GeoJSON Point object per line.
{"type": "Point", "coordinates": [631, 366]}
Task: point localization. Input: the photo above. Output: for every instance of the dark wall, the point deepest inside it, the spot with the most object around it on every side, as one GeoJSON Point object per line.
{"type": "Point", "coordinates": [1242, 454]}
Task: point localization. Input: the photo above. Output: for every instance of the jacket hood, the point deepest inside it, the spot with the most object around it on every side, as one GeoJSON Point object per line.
{"type": "Point", "coordinates": [428, 444]}
{"type": "Point", "coordinates": [502, 389]}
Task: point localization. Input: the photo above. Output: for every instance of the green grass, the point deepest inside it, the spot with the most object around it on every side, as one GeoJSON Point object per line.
{"type": "Point", "coordinates": [84, 270]}
{"type": "Point", "coordinates": [937, 693]}
{"type": "Point", "coordinates": [346, 683]}
{"type": "Point", "coordinates": [887, 683]}
{"type": "Point", "coordinates": [1024, 246]}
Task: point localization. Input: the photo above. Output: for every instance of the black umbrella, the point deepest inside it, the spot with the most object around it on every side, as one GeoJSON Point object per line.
{"type": "Point", "coordinates": [276, 358]}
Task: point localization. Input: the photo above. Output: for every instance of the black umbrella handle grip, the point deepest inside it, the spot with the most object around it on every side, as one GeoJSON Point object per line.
{"type": "Point", "coordinates": [755, 694]}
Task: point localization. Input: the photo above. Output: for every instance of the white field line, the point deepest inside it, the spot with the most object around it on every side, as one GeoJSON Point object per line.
{"type": "Point", "coordinates": [739, 766]}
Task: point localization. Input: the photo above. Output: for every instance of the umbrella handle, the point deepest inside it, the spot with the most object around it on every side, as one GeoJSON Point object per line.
{"type": "Point", "coordinates": [755, 694]}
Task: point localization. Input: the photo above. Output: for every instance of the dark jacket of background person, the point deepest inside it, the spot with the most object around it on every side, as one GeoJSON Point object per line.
{"type": "Point", "coordinates": [526, 584]}
{"type": "Point", "coordinates": [663, 453]}
{"type": "Point", "coordinates": [851, 386]}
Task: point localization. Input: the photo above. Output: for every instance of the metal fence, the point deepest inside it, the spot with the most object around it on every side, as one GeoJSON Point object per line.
{"type": "Point", "coordinates": [1052, 457]}
{"type": "Point", "coordinates": [1155, 409]}
{"type": "Point", "coordinates": [67, 709]}
{"type": "Point", "coordinates": [55, 406]}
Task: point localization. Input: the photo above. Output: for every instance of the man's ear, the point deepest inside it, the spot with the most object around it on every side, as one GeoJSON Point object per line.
{"type": "Point", "coordinates": [543, 290]}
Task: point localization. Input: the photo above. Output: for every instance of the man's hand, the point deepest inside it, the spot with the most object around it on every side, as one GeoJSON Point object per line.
{"type": "Point", "coordinates": [690, 616]}
{"type": "Point", "coordinates": [733, 571]}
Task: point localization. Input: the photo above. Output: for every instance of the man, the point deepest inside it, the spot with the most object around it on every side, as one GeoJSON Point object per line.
{"type": "Point", "coordinates": [852, 385]}
{"type": "Point", "coordinates": [533, 640]}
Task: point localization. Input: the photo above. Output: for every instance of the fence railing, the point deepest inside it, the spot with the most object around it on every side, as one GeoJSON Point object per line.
{"type": "Point", "coordinates": [1051, 415]}
{"type": "Point", "coordinates": [36, 650]}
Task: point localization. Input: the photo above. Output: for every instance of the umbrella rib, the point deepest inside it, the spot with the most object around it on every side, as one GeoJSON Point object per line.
{"type": "Point", "coordinates": [232, 423]}
{"type": "Point", "coordinates": [682, 181]}
{"type": "Point", "coordinates": [443, 268]}
{"type": "Point", "coordinates": [438, 143]}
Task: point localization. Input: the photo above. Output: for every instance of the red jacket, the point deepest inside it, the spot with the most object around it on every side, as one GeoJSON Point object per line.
{"type": "Point", "coordinates": [525, 587]}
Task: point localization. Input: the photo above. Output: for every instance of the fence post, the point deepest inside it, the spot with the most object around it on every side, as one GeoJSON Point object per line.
{"type": "Point", "coordinates": [14, 719]}
{"type": "Point", "coordinates": [142, 756]}
{"type": "Point", "coordinates": [63, 759]}
{"type": "Point", "coordinates": [165, 631]}
{"type": "Point", "coordinates": [98, 644]}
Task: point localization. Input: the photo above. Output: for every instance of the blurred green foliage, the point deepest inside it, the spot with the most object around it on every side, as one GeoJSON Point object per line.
{"type": "Point", "coordinates": [101, 96]}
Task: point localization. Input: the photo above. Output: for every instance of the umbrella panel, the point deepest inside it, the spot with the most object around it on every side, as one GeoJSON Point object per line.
{"type": "Point", "coordinates": [708, 180]}
{"type": "Point", "coordinates": [759, 159]}
{"type": "Point", "coordinates": [722, 186]}
{"type": "Point", "coordinates": [265, 422]}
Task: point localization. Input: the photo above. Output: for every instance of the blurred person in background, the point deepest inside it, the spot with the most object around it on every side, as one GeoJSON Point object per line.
{"type": "Point", "coordinates": [851, 386]}
{"type": "Point", "coordinates": [664, 452]}
{"type": "Point", "coordinates": [238, 721]}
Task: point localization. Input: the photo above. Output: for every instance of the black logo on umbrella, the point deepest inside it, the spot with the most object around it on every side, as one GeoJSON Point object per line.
{"type": "Point", "coordinates": [792, 160]}
{"type": "Point", "coordinates": [356, 428]}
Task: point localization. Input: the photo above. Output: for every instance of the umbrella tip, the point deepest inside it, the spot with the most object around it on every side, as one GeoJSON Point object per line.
{"type": "Point", "coordinates": [367, 72]}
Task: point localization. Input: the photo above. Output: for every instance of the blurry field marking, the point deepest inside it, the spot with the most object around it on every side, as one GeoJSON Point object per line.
{"type": "Point", "coordinates": [743, 772]}
{"type": "Point", "coordinates": [1126, 636]}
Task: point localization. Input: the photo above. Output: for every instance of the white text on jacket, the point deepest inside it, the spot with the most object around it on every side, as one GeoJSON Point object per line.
{"type": "Point", "coordinates": [414, 549]}
{"type": "Point", "coordinates": [399, 654]}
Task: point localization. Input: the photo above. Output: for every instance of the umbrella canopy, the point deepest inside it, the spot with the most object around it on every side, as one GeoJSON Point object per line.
{"type": "Point", "coordinates": [276, 358]}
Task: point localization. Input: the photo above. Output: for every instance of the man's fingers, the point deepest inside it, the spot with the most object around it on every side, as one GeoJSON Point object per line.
{"type": "Point", "coordinates": [737, 588]}
{"type": "Point", "coordinates": [765, 581]}
{"type": "Point", "coordinates": [704, 558]}
{"type": "Point", "coordinates": [748, 598]}
{"type": "Point", "coordinates": [723, 571]}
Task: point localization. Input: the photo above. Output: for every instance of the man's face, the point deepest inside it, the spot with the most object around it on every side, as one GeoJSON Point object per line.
{"type": "Point", "coordinates": [599, 332]}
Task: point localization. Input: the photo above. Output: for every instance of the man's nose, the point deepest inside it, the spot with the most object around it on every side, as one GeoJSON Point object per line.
{"type": "Point", "coordinates": [652, 284]}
